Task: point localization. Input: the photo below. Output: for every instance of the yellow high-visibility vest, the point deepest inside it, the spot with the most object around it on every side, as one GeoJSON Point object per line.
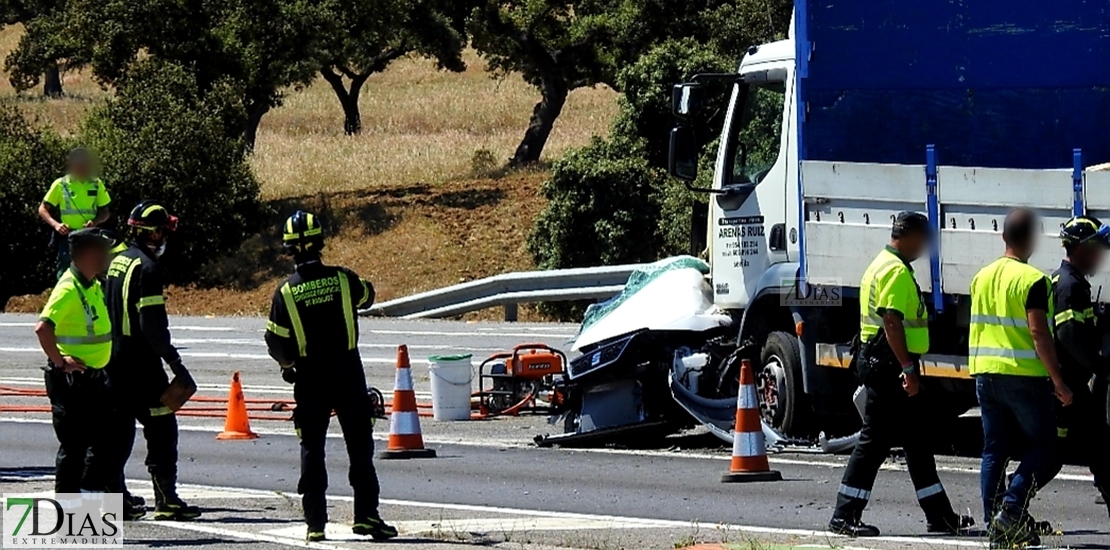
{"type": "Point", "coordinates": [77, 200]}
{"type": "Point", "coordinates": [1000, 340]}
{"type": "Point", "coordinates": [888, 283]}
{"type": "Point", "coordinates": [80, 317]}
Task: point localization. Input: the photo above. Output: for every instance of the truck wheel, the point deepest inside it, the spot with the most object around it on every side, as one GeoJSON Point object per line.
{"type": "Point", "coordinates": [782, 400]}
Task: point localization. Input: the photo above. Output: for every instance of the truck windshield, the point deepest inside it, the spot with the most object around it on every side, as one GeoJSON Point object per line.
{"type": "Point", "coordinates": [754, 143]}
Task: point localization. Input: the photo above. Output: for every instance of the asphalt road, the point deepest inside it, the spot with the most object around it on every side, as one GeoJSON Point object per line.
{"type": "Point", "coordinates": [213, 348]}
{"type": "Point", "coordinates": [489, 466]}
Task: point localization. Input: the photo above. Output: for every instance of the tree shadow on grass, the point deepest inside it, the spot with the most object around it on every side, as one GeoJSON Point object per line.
{"type": "Point", "coordinates": [369, 212]}
{"type": "Point", "coordinates": [470, 200]}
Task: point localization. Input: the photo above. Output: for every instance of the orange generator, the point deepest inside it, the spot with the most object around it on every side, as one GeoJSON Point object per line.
{"type": "Point", "coordinates": [515, 381]}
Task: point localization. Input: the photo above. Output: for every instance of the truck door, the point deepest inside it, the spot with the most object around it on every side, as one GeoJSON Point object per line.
{"type": "Point", "coordinates": [749, 228]}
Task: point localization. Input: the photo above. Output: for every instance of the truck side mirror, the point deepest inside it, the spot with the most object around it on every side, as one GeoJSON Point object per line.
{"type": "Point", "coordinates": [683, 157]}
{"type": "Point", "coordinates": [687, 99]}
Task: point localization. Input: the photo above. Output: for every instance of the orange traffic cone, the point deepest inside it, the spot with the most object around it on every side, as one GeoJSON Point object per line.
{"type": "Point", "coordinates": [405, 440]}
{"type": "Point", "coordinates": [237, 426]}
{"type": "Point", "coordinates": [749, 449]}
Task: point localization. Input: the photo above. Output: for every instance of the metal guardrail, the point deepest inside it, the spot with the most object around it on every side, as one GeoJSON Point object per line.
{"type": "Point", "coordinates": [509, 290]}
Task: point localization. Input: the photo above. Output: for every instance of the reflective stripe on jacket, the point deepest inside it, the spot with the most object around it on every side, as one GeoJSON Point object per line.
{"type": "Point", "coordinates": [1000, 340]}
{"type": "Point", "coordinates": [82, 326]}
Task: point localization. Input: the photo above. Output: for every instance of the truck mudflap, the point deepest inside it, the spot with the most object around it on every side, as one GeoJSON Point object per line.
{"type": "Point", "coordinates": [719, 416]}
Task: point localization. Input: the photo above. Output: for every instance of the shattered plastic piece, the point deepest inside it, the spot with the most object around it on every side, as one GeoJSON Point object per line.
{"type": "Point", "coordinates": [838, 445]}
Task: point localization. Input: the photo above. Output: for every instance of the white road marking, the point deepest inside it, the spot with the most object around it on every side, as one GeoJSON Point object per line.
{"type": "Point", "coordinates": [341, 532]}
{"type": "Point", "coordinates": [261, 343]}
{"type": "Point", "coordinates": [645, 523]}
{"type": "Point", "coordinates": [490, 443]}
{"type": "Point", "coordinates": [248, 389]}
{"type": "Point", "coordinates": [244, 535]}
{"type": "Point", "coordinates": [460, 334]}
{"type": "Point", "coordinates": [9, 324]}
{"type": "Point", "coordinates": [224, 355]}
{"type": "Point", "coordinates": [570, 329]}
{"type": "Point", "coordinates": [202, 328]}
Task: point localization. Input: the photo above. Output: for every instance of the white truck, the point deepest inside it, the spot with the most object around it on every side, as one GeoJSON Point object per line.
{"type": "Point", "coordinates": [867, 106]}
{"type": "Point", "coordinates": [959, 110]}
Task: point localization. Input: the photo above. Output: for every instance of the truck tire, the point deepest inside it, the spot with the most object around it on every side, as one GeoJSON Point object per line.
{"type": "Point", "coordinates": [782, 400]}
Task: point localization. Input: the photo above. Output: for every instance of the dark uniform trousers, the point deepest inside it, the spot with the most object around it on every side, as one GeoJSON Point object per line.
{"type": "Point", "coordinates": [892, 417]}
{"type": "Point", "coordinates": [79, 403]}
{"type": "Point", "coordinates": [1085, 433]}
{"type": "Point", "coordinates": [320, 389]}
{"type": "Point", "coordinates": [137, 398]}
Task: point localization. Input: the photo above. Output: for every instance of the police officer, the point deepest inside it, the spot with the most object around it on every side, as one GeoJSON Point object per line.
{"type": "Point", "coordinates": [1079, 343]}
{"type": "Point", "coordinates": [141, 332]}
{"type": "Point", "coordinates": [75, 331]}
{"type": "Point", "coordinates": [1013, 359]}
{"type": "Point", "coordinates": [894, 334]}
{"type": "Point", "coordinates": [75, 201]}
{"type": "Point", "coordinates": [313, 335]}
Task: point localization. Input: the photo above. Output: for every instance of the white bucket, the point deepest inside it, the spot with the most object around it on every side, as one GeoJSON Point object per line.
{"type": "Point", "coordinates": [451, 382]}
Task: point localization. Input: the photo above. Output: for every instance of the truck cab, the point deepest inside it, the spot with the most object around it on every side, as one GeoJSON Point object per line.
{"type": "Point", "coordinates": [830, 133]}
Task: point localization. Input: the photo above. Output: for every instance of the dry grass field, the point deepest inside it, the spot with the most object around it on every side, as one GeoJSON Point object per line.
{"type": "Point", "coordinates": [410, 209]}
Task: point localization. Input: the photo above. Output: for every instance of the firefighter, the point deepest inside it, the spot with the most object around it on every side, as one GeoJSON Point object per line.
{"type": "Point", "coordinates": [1079, 343]}
{"type": "Point", "coordinates": [142, 336]}
{"type": "Point", "coordinates": [1013, 359]}
{"type": "Point", "coordinates": [75, 201]}
{"type": "Point", "coordinates": [894, 333]}
{"type": "Point", "coordinates": [313, 335]}
{"type": "Point", "coordinates": [75, 331]}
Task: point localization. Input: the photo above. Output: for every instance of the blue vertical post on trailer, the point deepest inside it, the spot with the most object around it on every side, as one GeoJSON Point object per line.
{"type": "Point", "coordinates": [802, 51]}
{"type": "Point", "coordinates": [933, 205]}
{"type": "Point", "coordinates": [1078, 207]}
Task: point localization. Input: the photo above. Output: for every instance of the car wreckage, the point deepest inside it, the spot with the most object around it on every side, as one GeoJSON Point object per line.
{"type": "Point", "coordinates": [659, 358]}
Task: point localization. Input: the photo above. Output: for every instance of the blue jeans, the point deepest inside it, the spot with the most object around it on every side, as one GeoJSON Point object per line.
{"type": "Point", "coordinates": [63, 255]}
{"type": "Point", "coordinates": [1017, 411]}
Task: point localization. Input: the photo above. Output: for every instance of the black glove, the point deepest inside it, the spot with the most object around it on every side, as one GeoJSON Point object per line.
{"type": "Point", "coordinates": [289, 374]}
{"type": "Point", "coordinates": [178, 369]}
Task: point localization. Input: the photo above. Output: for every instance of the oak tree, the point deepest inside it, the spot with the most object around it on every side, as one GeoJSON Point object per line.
{"type": "Point", "coordinates": [364, 38]}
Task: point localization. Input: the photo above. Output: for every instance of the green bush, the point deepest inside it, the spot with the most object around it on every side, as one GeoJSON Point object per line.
{"type": "Point", "coordinates": [602, 209]}
{"type": "Point", "coordinates": [161, 138]}
{"type": "Point", "coordinates": [645, 108]}
{"type": "Point", "coordinates": [30, 158]}
{"type": "Point", "coordinates": [645, 117]}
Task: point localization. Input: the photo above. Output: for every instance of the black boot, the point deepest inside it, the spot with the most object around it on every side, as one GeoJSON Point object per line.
{"type": "Point", "coordinates": [1042, 528]}
{"type": "Point", "coordinates": [315, 515]}
{"type": "Point", "coordinates": [133, 499]}
{"type": "Point", "coordinates": [853, 527]}
{"type": "Point", "coordinates": [134, 507]}
{"type": "Point", "coordinates": [375, 527]}
{"type": "Point", "coordinates": [951, 525]}
{"type": "Point", "coordinates": [169, 506]}
{"type": "Point", "coordinates": [1009, 531]}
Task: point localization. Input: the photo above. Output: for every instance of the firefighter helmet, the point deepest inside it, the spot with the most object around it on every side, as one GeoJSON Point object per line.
{"type": "Point", "coordinates": [1085, 229]}
{"type": "Point", "coordinates": [302, 232]}
{"type": "Point", "coordinates": [148, 215]}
